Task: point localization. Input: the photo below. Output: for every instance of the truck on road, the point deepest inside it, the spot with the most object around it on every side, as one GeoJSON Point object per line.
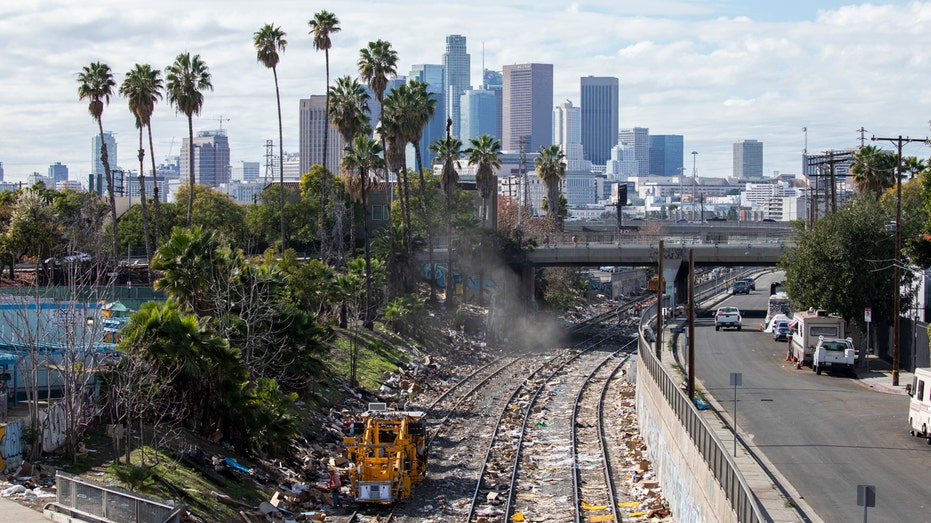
{"type": "Point", "coordinates": [727, 317]}
{"type": "Point", "coordinates": [807, 327]}
{"type": "Point", "coordinates": [834, 354]}
{"type": "Point", "coordinates": [919, 407]}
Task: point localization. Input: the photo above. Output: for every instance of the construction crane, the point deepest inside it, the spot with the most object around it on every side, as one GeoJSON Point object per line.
{"type": "Point", "coordinates": [221, 119]}
{"type": "Point", "coordinates": [171, 146]}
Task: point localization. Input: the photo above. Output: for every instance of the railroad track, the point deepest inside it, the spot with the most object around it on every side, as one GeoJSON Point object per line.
{"type": "Point", "coordinates": [501, 493]}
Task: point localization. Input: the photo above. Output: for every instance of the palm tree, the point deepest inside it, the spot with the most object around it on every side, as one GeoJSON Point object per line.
{"type": "Point", "coordinates": [322, 25]}
{"type": "Point", "coordinates": [395, 130]}
{"type": "Point", "coordinates": [363, 155]}
{"type": "Point", "coordinates": [187, 78]}
{"type": "Point", "coordinates": [268, 41]}
{"type": "Point", "coordinates": [378, 63]}
{"type": "Point", "coordinates": [484, 152]}
{"type": "Point", "coordinates": [142, 88]}
{"type": "Point", "coordinates": [95, 84]}
{"type": "Point", "coordinates": [448, 150]}
{"type": "Point", "coordinates": [873, 170]}
{"type": "Point", "coordinates": [551, 167]}
{"type": "Point", "coordinates": [912, 166]}
{"type": "Point", "coordinates": [349, 114]}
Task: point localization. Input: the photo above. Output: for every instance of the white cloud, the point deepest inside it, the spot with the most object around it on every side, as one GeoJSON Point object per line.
{"type": "Point", "coordinates": [714, 72]}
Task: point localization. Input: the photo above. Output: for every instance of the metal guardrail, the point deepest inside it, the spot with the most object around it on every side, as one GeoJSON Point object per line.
{"type": "Point", "coordinates": [111, 504]}
{"type": "Point", "coordinates": [745, 504]}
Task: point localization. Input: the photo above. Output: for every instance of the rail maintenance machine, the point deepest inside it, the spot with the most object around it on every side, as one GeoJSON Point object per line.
{"type": "Point", "coordinates": [388, 455]}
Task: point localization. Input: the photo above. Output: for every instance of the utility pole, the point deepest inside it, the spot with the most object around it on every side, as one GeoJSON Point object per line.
{"type": "Point", "coordinates": [896, 304]}
{"type": "Point", "coordinates": [862, 132]}
{"type": "Point", "coordinates": [694, 174]}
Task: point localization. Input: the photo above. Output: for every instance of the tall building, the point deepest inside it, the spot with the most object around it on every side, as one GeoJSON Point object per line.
{"type": "Point", "coordinates": [666, 154]}
{"type": "Point", "coordinates": [1, 171]}
{"type": "Point", "coordinates": [527, 109]}
{"type": "Point", "coordinates": [494, 81]}
{"type": "Point", "coordinates": [458, 67]}
{"type": "Point", "coordinates": [567, 133]}
{"type": "Point", "coordinates": [638, 140]}
{"type": "Point", "coordinates": [211, 158]}
{"type": "Point", "coordinates": [433, 75]}
{"type": "Point", "coordinates": [600, 108]}
{"type": "Point", "coordinates": [96, 164]}
{"type": "Point", "coordinates": [748, 159]}
{"type": "Point", "coordinates": [246, 171]}
{"type": "Point", "coordinates": [312, 125]}
{"type": "Point", "coordinates": [479, 114]}
{"type": "Point", "coordinates": [58, 172]}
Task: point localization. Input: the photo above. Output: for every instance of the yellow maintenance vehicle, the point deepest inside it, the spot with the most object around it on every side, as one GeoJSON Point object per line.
{"type": "Point", "coordinates": [388, 454]}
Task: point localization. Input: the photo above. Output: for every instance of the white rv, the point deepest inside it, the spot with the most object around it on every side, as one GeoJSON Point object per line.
{"type": "Point", "coordinates": [806, 327]}
{"type": "Point", "coordinates": [919, 408]}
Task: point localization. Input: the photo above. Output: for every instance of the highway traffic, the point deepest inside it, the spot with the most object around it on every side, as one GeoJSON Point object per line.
{"type": "Point", "coordinates": [824, 434]}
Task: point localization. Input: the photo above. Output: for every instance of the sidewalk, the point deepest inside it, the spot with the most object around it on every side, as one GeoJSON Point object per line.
{"type": "Point", "coordinates": [13, 512]}
{"type": "Point", "coordinates": [879, 376]}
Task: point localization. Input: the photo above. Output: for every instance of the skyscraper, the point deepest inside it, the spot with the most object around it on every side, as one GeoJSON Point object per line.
{"type": "Point", "coordinates": [96, 164]}
{"type": "Point", "coordinates": [748, 159]}
{"type": "Point", "coordinates": [458, 66]}
{"type": "Point", "coordinates": [666, 154]}
{"type": "Point", "coordinates": [312, 125]}
{"type": "Point", "coordinates": [58, 172]}
{"type": "Point", "coordinates": [567, 133]}
{"type": "Point", "coordinates": [527, 109]}
{"type": "Point", "coordinates": [211, 158]}
{"type": "Point", "coordinates": [479, 114]}
{"type": "Point", "coordinates": [494, 81]}
{"type": "Point", "coordinates": [600, 108]}
{"type": "Point", "coordinates": [433, 75]}
{"type": "Point", "coordinates": [637, 139]}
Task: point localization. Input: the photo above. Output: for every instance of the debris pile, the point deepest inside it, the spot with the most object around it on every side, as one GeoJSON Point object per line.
{"type": "Point", "coordinates": [30, 484]}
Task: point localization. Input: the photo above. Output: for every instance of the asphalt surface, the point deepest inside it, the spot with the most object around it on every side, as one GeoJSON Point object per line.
{"type": "Point", "coordinates": [825, 435]}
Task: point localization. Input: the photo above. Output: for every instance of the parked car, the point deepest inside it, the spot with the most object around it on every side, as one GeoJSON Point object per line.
{"type": "Point", "coordinates": [781, 331]}
{"type": "Point", "coordinates": [740, 287]}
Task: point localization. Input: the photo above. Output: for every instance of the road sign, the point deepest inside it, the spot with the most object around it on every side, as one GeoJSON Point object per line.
{"type": "Point", "coordinates": [868, 314]}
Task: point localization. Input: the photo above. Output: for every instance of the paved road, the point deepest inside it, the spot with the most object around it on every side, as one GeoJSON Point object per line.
{"type": "Point", "coordinates": [826, 434]}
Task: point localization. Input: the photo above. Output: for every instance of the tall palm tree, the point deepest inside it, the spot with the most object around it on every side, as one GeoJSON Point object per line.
{"type": "Point", "coordinates": [484, 153]}
{"type": "Point", "coordinates": [873, 170]}
{"type": "Point", "coordinates": [322, 25]}
{"type": "Point", "coordinates": [95, 84]}
{"type": "Point", "coordinates": [349, 114]}
{"type": "Point", "coordinates": [363, 156]}
{"type": "Point", "coordinates": [395, 130]}
{"type": "Point", "coordinates": [268, 41]}
{"type": "Point", "coordinates": [551, 167]}
{"type": "Point", "coordinates": [447, 151]}
{"type": "Point", "coordinates": [912, 166]}
{"type": "Point", "coordinates": [378, 63]}
{"type": "Point", "coordinates": [187, 78]}
{"type": "Point", "coordinates": [142, 88]}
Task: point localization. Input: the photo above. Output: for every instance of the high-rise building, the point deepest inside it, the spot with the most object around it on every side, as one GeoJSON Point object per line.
{"type": "Point", "coordinates": [748, 159]}
{"type": "Point", "coordinates": [247, 171]}
{"type": "Point", "coordinates": [567, 133]}
{"type": "Point", "coordinates": [211, 158]}
{"type": "Point", "coordinates": [528, 106]}
{"type": "Point", "coordinates": [58, 172]}
{"type": "Point", "coordinates": [600, 108]}
{"type": "Point", "coordinates": [458, 67]}
{"type": "Point", "coordinates": [433, 75]}
{"type": "Point", "coordinates": [312, 125]}
{"type": "Point", "coordinates": [666, 154]}
{"type": "Point", "coordinates": [1, 171]}
{"type": "Point", "coordinates": [479, 114]}
{"type": "Point", "coordinates": [96, 163]}
{"type": "Point", "coordinates": [637, 139]}
{"type": "Point", "coordinates": [494, 81]}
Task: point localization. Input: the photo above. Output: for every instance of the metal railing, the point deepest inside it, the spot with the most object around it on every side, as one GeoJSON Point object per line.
{"type": "Point", "coordinates": [744, 503]}
{"type": "Point", "coordinates": [111, 504]}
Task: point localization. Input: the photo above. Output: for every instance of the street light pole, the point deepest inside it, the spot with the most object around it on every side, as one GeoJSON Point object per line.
{"type": "Point", "coordinates": [694, 174]}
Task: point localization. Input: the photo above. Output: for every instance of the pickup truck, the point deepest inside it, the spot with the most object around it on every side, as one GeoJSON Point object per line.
{"type": "Point", "coordinates": [727, 317]}
{"type": "Point", "coordinates": [834, 354]}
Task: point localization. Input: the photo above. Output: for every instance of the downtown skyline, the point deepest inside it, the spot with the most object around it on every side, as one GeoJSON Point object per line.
{"type": "Point", "coordinates": [715, 73]}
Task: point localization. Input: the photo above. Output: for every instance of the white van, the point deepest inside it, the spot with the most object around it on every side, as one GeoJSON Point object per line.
{"type": "Point", "coordinates": [919, 408]}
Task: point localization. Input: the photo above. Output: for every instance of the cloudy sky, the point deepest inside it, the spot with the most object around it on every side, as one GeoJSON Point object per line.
{"type": "Point", "coordinates": [715, 71]}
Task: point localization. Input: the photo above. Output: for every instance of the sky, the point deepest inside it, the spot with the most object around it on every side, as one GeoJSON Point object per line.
{"type": "Point", "coordinates": [714, 71]}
